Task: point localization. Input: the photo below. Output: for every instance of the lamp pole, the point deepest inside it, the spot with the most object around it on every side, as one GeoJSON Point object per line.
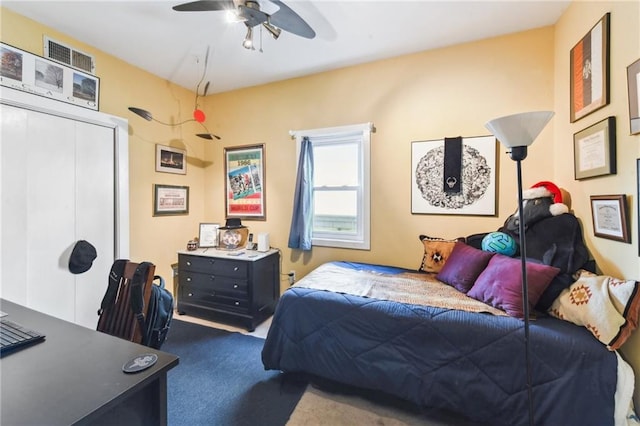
{"type": "Point", "coordinates": [519, 153]}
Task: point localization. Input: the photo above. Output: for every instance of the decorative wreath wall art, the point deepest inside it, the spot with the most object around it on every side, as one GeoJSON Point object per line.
{"type": "Point", "coordinates": [454, 176]}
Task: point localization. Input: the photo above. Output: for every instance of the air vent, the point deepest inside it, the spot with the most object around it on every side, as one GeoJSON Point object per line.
{"type": "Point", "coordinates": [68, 55]}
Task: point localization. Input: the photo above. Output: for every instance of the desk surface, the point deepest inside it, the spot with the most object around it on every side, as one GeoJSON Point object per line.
{"type": "Point", "coordinates": [75, 375]}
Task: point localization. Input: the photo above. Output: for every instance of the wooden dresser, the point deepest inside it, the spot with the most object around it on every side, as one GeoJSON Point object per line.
{"type": "Point", "coordinates": [237, 287]}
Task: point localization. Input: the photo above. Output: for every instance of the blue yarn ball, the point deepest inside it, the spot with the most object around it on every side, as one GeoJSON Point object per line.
{"type": "Point", "coordinates": [499, 242]}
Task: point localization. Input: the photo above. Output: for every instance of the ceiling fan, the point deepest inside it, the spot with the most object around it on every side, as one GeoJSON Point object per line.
{"type": "Point", "coordinates": [249, 12]}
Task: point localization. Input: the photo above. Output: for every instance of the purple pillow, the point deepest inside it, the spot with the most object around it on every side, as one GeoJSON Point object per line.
{"type": "Point", "coordinates": [464, 265]}
{"type": "Point", "coordinates": [500, 284]}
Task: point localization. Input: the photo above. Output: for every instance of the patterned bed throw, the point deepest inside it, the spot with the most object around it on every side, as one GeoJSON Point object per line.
{"type": "Point", "coordinates": [405, 287]}
{"type": "Point", "coordinates": [608, 307]}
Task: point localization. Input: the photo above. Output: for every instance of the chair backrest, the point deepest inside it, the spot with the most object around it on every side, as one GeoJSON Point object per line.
{"type": "Point", "coordinates": [119, 319]}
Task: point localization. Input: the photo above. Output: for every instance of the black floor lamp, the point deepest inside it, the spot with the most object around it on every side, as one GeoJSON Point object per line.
{"type": "Point", "coordinates": [517, 132]}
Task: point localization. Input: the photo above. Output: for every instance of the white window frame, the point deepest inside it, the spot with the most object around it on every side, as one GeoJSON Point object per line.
{"type": "Point", "coordinates": [361, 134]}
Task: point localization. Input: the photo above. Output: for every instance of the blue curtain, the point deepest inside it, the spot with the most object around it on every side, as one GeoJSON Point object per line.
{"type": "Point", "coordinates": [302, 217]}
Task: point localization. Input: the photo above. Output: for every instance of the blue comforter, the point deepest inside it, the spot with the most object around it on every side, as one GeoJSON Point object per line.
{"type": "Point", "coordinates": [470, 363]}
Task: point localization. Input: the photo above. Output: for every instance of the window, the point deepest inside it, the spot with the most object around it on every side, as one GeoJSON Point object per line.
{"type": "Point", "coordinates": [341, 201]}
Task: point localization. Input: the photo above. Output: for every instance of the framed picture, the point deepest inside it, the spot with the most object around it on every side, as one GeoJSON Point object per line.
{"type": "Point", "coordinates": [589, 71]}
{"type": "Point", "coordinates": [170, 200]}
{"type": "Point", "coordinates": [609, 213]}
{"type": "Point", "coordinates": [633, 85]}
{"type": "Point", "coordinates": [27, 72]}
{"type": "Point", "coordinates": [638, 198]}
{"type": "Point", "coordinates": [171, 160]}
{"type": "Point", "coordinates": [245, 185]}
{"type": "Point", "coordinates": [208, 236]}
{"type": "Point", "coordinates": [454, 176]}
{"type": "Point", "coordinates": [594, 150]}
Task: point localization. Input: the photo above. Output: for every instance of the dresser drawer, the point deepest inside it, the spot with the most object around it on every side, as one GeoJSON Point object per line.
{"type": "Point", "coordinates": [213, 266]}
{"type": "Point", "coordinates": [213, 282]}
{"type": "Point", "coordinates": [203, 297]}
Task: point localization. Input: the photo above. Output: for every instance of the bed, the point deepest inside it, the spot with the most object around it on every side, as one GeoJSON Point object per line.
{"type": "Point", "coordinates": [410, 335]}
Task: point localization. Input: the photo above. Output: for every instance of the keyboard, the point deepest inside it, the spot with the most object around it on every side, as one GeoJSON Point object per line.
{"type": "Point", "coordinates": [14, 336]}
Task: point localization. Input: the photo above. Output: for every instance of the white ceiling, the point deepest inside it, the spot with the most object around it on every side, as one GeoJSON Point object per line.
{"type": "Point", "coordinates": [173, 45]}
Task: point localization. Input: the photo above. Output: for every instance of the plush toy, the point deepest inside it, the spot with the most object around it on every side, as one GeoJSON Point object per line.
{"type": "Point", "coordinates": [554, 235]}
{"type": "Point", "coordinates": [542, 200]}
{"type": "Point", "coordinates": [561, 198]}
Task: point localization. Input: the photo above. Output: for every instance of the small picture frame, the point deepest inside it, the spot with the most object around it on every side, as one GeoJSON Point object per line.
{"type": "Point", "coordinates": [589, 71]}
{"type": "Point", "coordinates": [170, 200]}
{"type": "Point", "coordinates": [208, 236]}
{"type": "Point", "coordinates": [633, 85]}
{"type": "Point", "coordinates": [594, 150]}
{"type": "Point", "coordinates": [171, 160]}
{"type": "Point", "coordinates": [609, 214]}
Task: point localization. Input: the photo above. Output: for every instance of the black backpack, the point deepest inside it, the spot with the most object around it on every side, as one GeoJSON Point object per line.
{"type": "Point", "coordinates": [155, 325]}
{"type": "Point", "coordinates": [159, 315]}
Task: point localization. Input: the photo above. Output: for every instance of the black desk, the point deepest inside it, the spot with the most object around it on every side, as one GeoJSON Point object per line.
{"type": "Point", "coordinates": [75, 377]}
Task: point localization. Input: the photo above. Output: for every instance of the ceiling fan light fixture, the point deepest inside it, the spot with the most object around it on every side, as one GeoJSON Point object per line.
{"type": "Point", "coordinates": [274, 31]}
{"type": "Point", "coordinates": [248, 39]}
{"type": "Point", "coordinates": [232, 17]}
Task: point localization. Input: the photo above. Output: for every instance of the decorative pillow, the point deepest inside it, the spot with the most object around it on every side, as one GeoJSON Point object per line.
{"type": "Point", "coordinates": [464, 265]}
{"type": "Point", "coordinates": [608, 307]}
{"type": "Point", "coordinates": [558, 283]}
{"type": "Point", "coordinates": [500, 284]}
{"type": "Point", "coordinates": [436, 253]}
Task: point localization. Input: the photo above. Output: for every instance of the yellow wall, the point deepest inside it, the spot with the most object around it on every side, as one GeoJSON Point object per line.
{"type": "Point", "coordinates": [446, 92]}
{"type": "Point", "coordinates": [430, 95]}
{"type": "Point", "coordinates": [614, 258]}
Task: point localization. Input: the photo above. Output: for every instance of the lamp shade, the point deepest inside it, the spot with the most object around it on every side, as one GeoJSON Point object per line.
{"type": "Point", "coordinates": [519, 129]}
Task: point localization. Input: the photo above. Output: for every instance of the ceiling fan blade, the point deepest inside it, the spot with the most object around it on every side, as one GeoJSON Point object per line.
{"type": "Point", "coordinates": [204, 6]}
{"type": "Point", "coordinates": [285, 18]}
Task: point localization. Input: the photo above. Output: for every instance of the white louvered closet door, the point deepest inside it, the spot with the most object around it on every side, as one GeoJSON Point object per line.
{"type": "Point", "coordinates": [58, 185]}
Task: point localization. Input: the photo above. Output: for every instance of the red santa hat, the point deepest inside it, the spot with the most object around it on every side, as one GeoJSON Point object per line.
{"type": "Point", "coordinates": [549, 189]}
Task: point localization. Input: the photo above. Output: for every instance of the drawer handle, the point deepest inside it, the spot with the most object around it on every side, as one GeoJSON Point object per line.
{"type": "Point", "coordinates": [237, 303]}
{"type": "Point", "coordinates": [190, 294]}
{"type": "Point", "coordinates": [213, 293]}
{"type": "Point", "coordinates": [188, 279]}
{"type": "Point", "coordinates": [188, 263]}
{"type": "Point", "coordinates": [212, 277]}
{"type": "Point", "coordinates": [236, 268]}
{"type": "Point", "coordinates": [212, 261]}
{"type": "Point", "coordinates": [235, 286]}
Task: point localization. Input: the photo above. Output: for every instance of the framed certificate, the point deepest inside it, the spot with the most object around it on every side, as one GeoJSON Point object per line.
{"type": "Point", "coordinates": [208, 236]}
{"type": "Point", "coordinates": [594, 150]}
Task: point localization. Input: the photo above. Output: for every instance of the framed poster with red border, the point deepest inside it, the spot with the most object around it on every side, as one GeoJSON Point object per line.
{"type": "Point", "coordinates": [589, 71]}
{"type": "Point", "coordinates": [244, 170]}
